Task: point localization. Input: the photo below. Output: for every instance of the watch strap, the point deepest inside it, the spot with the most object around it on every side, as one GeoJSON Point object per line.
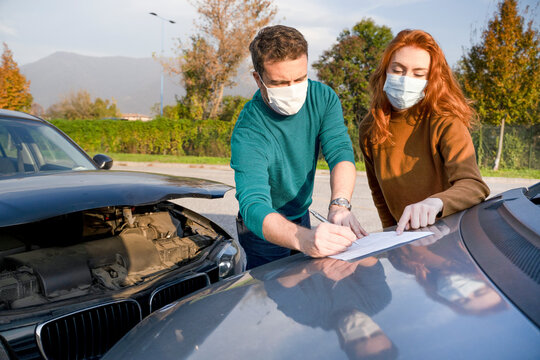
{"type": "Point", "coordinates": [341, 202]}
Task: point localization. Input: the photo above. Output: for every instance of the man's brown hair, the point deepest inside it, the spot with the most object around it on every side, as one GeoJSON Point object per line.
{"type": "Point", "coordinates": [276, 43]}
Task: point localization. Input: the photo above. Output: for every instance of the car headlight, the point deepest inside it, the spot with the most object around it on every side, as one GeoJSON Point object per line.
{"type": "Point", "coordinates": [226, 260]}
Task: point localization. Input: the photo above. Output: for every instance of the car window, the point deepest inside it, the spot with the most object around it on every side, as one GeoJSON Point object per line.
{"type": "Point", "coordinates": [8, 151]}
{"type": "Point", "coordinates": [28, 147]}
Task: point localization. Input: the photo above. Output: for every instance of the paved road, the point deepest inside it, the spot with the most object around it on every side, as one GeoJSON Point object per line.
{"type": "Point", "coordinates": [223, 211]}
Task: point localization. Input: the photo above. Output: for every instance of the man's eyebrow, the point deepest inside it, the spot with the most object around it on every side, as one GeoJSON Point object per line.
{"type": "Point", "coordinates": [277, 82]}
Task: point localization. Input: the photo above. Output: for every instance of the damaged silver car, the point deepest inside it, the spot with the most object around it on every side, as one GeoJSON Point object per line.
{"type": "Point", "coordinates": [86, 254]}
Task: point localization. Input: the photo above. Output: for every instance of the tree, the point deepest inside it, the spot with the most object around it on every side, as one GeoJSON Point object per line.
{"type": "Point", "coordinates": [14, 88]}
{"type": "Point", "coordinates": [37, 110]}
{"type": "Point", "coordinates": [198, 69]}
{"type": "Point", "coordinates": [501, 72]}
{"type": "Point", "coordinates": [169, 111]}
{"type": "Point", "coordinates": [208, 64]}
{"type": "Point", "coordinates": [231, 108]}
{"type": "Point", "coordinates": [347, 66]}
{"type": "Point", "coordinates": [80, 106]}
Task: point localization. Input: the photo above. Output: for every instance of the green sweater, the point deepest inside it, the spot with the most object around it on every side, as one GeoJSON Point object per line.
{"type": "Point", "coordinates": [274, 157]}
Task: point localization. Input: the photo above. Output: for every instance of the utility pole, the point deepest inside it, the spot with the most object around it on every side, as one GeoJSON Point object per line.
{"type": "Point", "coordinates": [163, 20]}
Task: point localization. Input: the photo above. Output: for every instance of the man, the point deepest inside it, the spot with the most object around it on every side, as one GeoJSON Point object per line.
{"type": "Point", "coordinates": [348, 295]}
{"type": "Point", "coordinates": [275, 145]}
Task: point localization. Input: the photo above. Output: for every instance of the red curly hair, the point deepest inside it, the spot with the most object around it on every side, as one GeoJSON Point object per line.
{"type": "Point", "coordinates": [443, 96]}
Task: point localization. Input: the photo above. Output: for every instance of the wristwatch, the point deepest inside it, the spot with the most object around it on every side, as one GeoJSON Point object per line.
{"type": "Point", "coordinates": [341, 202]}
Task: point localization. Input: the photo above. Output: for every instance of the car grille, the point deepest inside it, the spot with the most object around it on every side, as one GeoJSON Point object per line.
{"type": "Point", "coordinates": [521, 252]}
{"type": "Point", "coordinates": [88, 334]}
{"type": "Point", "coordinates": [26, 348]}
{"type": "Point", "coordinates": [167, 294]}
{"type": "Point", "coordinates": [213, 274]}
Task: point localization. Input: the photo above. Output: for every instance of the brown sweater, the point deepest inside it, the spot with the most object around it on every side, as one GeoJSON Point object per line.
{"type": "Point", "coordinates": [428, 158]}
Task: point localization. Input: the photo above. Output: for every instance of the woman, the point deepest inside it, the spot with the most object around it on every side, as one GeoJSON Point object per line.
{"type": "Point", "coordinates": [419, 156]}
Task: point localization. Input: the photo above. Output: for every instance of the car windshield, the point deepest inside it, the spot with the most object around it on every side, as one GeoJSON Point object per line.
{"type": "Point", "coordinates": [28, 147]}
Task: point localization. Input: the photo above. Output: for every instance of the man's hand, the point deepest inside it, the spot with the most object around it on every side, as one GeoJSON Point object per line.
{"type": "Point", "coordinates": [341, 216]}
{"type": "Point", "coordinates": [420, 214]}
{"type": "Point", "coordinates": [326, 239]}
{"type": "Point", "coordinates": [336, 270]}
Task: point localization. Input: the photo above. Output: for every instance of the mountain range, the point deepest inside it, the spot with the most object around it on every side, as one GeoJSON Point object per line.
{"type": "Point", "coordinates": [134, 83]}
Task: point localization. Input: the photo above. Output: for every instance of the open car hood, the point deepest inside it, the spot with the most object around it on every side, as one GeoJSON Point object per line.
{"type": "Point", "coordinates": [33, 198]}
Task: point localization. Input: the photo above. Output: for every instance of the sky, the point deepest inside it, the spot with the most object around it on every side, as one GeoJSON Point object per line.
{"type": "Point", "coordinates": [34, 29]}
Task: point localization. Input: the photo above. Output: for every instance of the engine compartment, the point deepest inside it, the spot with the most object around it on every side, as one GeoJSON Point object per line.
{"type": "Point", "coordinates": [95, 251]}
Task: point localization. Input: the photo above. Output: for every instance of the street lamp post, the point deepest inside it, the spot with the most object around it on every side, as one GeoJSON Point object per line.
{"type": "Point", "coordinates": [162, 30]}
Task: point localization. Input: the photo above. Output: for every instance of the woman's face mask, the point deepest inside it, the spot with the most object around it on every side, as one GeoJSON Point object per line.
{"type": "Point", "coordinates": [404, 92]}
{"type": "Point", "coordinates": [456, 287]}
{"type": "Point", "coordinates": [286, 100]}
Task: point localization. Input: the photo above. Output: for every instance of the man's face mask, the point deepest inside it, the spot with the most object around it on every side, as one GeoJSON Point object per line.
{"type": "Point", "coordinates": [404, 92]}
{"type": "Point", "coordinates": [286, 100]}
{"type": "Point", "coordinates": [357, 326]}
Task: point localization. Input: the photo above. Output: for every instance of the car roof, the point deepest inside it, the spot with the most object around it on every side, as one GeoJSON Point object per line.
{"type": "Point", "coordinates": [19, 115]}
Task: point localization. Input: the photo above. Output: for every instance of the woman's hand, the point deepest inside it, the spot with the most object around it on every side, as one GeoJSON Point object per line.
{"type": "Point", "coordinates": [420, 214]}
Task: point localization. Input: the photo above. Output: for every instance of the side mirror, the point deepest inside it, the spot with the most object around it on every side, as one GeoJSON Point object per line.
{"type": "Point", "coordinates": [103, 161]}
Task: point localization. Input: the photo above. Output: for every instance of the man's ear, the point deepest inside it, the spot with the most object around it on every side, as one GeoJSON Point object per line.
{"type": "Point", "coordinates": [257, 78]}
{"type": "Point", "coordinates": [261, 86]}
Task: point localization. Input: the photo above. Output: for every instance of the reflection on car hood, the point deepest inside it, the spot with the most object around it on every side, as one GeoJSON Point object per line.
{"type": "Point", "coordinates": [33, 198]}
{"type": "Point", "coordinates": [423, 300]}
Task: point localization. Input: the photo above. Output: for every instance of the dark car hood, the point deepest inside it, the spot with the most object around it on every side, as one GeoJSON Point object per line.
{"type": "Point", "coordinates": [33, 198]}
{"type": "Point", "coordinates": [300, 307]}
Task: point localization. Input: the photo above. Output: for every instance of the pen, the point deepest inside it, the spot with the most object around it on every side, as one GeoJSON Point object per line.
{"type": "Point", "coordinates": [318, 216]}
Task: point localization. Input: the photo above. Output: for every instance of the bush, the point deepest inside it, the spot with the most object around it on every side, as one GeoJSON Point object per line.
{"type": "Point", "coordinates": [231, 106]}
{"type": "Point", "coordinates": [161, 136]}
{"type": "Point", "coordinates": [164, 136]}
{"type": "Point", "coordinates": [521, 146]}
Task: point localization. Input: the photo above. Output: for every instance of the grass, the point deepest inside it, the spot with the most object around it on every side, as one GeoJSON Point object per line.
{"type": "Point", "coordinates": [509, 173]}
{"type": "Point", "coordinates": [512, 173]}
{"type": "Point", "coordinates": [170, 159]}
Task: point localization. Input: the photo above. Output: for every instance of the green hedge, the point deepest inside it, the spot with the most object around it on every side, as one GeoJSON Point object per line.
{"type": "Point", "coordinates": [160, 136]}
{"type": "Point", "coordinates": [521, 148]}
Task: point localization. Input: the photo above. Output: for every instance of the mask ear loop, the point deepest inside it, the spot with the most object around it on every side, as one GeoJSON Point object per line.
{"type": "Point", "coordinates": [260, 78]}
{"type": "Point", "coordinates": [264, 96]}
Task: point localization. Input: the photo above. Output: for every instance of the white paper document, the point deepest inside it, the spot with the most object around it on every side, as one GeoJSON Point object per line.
{"type": "Point", "coordinates": [376, 242]}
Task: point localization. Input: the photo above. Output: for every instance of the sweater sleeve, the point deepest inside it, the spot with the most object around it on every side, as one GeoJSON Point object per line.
{"type": "Point", "coordinates": [376, 192]}
{"type": "Point", "coordinates": [457, 150]}
{"type": "Point", "coordinates": [250, 164]}
{"type": "Point", "coordinates": [335, 141]}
